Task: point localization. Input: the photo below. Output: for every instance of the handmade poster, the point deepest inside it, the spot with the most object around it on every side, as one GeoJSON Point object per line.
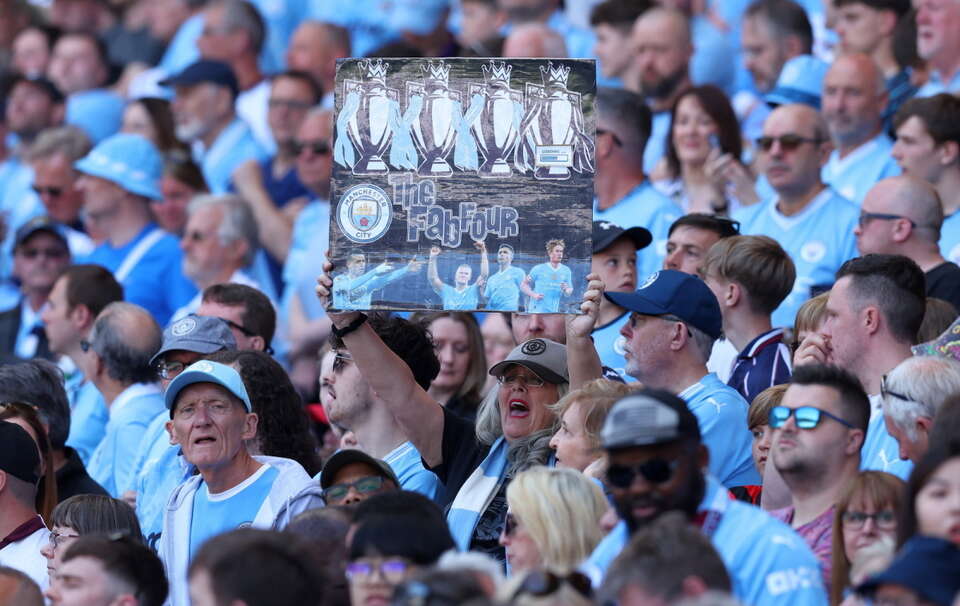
{"type": "Point", "coordinates": [462, 184]}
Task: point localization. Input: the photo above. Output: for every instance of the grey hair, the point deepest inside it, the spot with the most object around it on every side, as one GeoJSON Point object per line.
{"type": "Point", "coordinates": [702, 341]}
{"type": "Point", "coordinates": [525, 452]}
{"type": "Point", "coordinates": [39, 383]}
{"type": "Point", "coordinates": [238, 221]}
{"type": "Point", "coordinates": [70, 141]}
{"type": "Point", "coordinates": [125, 337]}
{"type": "Point", "coordinates": [928, 381]}
{"type": "Point", "coordinates": [240, 14]}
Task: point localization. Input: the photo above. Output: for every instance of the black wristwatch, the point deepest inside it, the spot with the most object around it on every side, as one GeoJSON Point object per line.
{"type": "Point", "coordinates": [349, 328]}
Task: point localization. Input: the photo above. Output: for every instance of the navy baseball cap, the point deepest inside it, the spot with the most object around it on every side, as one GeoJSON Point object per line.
{"type": "Point", "coordinates": [928, 566]}
{"type": "Point", "coordinates": [37, 224]}
{"type": "Point", "coordinates": [673, 292]}
{"type": "Point", "coordinates": [202, 71]}
{"type": "Point", "coordinates": [606, 233]}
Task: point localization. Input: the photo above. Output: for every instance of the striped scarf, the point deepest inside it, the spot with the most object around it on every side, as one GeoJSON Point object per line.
{"type": "Point", "coordinates": [477, 492]}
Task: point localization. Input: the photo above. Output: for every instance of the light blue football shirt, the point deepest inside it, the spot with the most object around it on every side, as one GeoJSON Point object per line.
{"type": "Point", "coordinates": [546, 280]}
{"type": "Point", "coordinates": [503, 289]}
{"type": "Point", "coordinates": [853, 176]}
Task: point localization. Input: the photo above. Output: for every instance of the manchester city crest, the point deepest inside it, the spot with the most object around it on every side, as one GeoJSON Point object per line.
{"type": "Point", "coordinates": [364, 213]}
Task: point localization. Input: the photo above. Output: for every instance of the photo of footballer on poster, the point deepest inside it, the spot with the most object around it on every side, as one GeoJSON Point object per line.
{"type": "Point", "coordinates": [462, 184]}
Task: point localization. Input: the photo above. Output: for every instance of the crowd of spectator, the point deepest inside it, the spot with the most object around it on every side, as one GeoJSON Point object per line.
{"type": "Point", "coordinates": [758, 403]}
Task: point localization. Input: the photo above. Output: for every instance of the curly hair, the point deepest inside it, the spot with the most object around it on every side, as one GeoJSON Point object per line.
{"type": "Point", "coordinates": [284, 429]}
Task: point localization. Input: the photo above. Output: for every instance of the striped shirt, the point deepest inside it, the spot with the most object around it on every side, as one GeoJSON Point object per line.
{"type": "Point", "coordinates": [764, 362]}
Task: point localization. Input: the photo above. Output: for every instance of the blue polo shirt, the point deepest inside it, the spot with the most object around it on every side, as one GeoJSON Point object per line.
{"type": "Point", "coordinates": [881, 451]}
{"type": "Point", "coordinates": [853, 176]}
{"type": "Point", "coordinates": [936, 84]}
{"type": "Point", "coordinates": [609, 344]}
{"type": "Point", "coordinates": [768, 562]}
{"type": "Point", "coordinates": [657, 143]}
{"type": "Point", "coordinates": [819, 239]}
{"type": "Point", "coordinates": [763, 363]}
{"type": "Point", "coordinates": [645, 207]}
{"type": "Point", "coordinates": [233, 146]}
{"type": "Point", "coordinates": [88, 417]}
{"type": "Point", "coordinates": [722, 416]}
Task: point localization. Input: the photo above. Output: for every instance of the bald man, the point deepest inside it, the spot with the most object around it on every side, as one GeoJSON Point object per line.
{"type": "Point", "coordinates": [534, 41]}
{"type": "Point", "coordinates": [810, 220]}
{"type": "Point", "coordinates": [124, 339]}
{"type": "Point", "coordinates": [854, 97]}
{"type": "Point", "coordinates": [314, 48]}
{"type": "Point", "coordinates": [903, 216]}
{"type": "Point", "coordinates": [661, 70]}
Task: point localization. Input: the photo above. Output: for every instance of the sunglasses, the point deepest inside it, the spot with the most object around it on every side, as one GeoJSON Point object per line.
{"type": "Point", "coordinates": [510, 525]}
{"type": "Point", "coordinates": [806, 417]}
{"type": "Point", "coordinates": [340, 361]}
{"type": "Point", "coordinates": [320, 148]}
{"type": "Point", "coordinates": [656, 471]}
{"type": "Point", "coordinates": [856, 519]}
{"type": "Point", "coordinates": [53, 192]}
{"type": "Point", "coordinates": [866, 217]}
{"type": "Point", "coordinates": [366, 485]}
{"type": "Point", "coordinates": [787, 143]}
{"type": "Point", "coordinates": [541, 583]}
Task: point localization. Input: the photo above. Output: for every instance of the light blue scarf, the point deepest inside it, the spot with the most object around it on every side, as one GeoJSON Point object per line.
{"type": "Point", "coordinates": [476, 493]}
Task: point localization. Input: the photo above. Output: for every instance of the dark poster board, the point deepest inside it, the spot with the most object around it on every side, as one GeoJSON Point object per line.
{"type": "Point", "coordinates": [451, 179]}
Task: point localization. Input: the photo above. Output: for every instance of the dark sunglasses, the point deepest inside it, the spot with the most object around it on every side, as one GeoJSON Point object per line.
{"type": "Point", "coordinates": [866, 217]}
{"type": "Point", "coordinates": [51, 191]}
{"type": "Point", "coordinates": [806, 417]}
{"type": "Point", "coordinates": [320, 148]}
{"type": "Point", "coordinates": [541, 583]}
{"type": "Point", "coordinates": [366, 485]}
{"type": "Point", "coordinates": [787, 142]}
{"type": "Point", "coordinates": [509, 525]}
{"type": "Point", "coordinates": [655, 471]}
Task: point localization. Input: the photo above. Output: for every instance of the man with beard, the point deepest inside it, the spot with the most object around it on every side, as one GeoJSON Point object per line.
{"type": "Point", "coordinates": [662, 48]}
{"type": "Point", "coordinates": [655, 466]}
{"type": "Point", "coordinates": [818, 430]}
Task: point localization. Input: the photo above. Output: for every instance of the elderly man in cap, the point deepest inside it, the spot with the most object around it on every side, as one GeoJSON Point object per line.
{"type": "Point", "coordinates": [206, 118]}
{"type": "Point", "coordinates": [657, 464]}
{"type": "Point", "coordinates": [120, 177]}
{"type": "Point", "coordinates": [159, 468]}
{"type": "Point", "coordinates": [674, 320]}
{"type": "Point", "coordinates": [22, 532]}
{"type": "Point", "coordinates": [352, 476]}
{"type": "Point", "coordinates": [41, 252]}
{"type": "Point", "coordinates": [212, 420]}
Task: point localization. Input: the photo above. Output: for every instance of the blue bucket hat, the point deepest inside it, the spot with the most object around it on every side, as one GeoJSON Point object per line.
{"type": "Point", "coordinates": [800, 81]}
{"type": "Point", "coordinates": [676, 293]}
{"type": "Point", "coordinates": [206, 371]}
{"type": "Point", "coordinates": [130, 161]}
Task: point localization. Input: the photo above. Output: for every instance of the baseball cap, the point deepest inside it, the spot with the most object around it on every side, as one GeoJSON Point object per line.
{"type": "Point", "coordinates": [206, 371]}
{"type": "Point", "coordinates": [800, 81]}
{"type": "Point", "coordinates": [42, 83]}
{"type": "Point", "coordinates": [926, 565]}
{"type": "Point", "coordinates": [605, 233]}
{"type": "Point", "coordinates": [351, 455]}
{"type": "Point", "coordinates": [19, 455]}
{"type": "Point", "coordinates": [200, 334]}
{"type": "Point", "coordinates": [677, 293]}
{"type": "Point", "coordinates": [202, 71]}
{"type": "Point", "coordinates": [41, 223]}
{"type": "Point", "coordinates": [548, 359]}
{"type": "Point", "coordinates": [646, 417]}
{"type": "Point", "coordinates": [130, 161]}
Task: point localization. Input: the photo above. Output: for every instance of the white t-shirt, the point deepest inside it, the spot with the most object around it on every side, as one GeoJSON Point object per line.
{"type": "Point", "coordinates": [25, 556]}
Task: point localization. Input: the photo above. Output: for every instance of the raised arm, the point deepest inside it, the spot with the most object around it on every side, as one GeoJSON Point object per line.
{"type": "Point", "coordinates": [583, 361]}
{"type": "Point", "coordinates": [419, 416]}
{"type": "Point", "coordinates": [432, 275]}
{"type": "Point", "coordinates": [484, 263]}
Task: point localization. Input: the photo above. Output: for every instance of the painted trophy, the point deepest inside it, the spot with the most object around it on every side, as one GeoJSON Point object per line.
{"type": "Point", "coordinates": [496, 127]}
{"type": "Point", "coordinates": [553, 135]}
{"type": "Point", "coordinates": [434, 130]}
{"type": "Point", "coordinates": [369, 127]}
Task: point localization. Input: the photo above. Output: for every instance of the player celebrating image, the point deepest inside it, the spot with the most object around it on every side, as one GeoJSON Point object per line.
{"type": "Point", "coordinates": [462, 295]}
{"type": "Point", "coordinates": [354, 289]}
{"type": "Point", "coordinates": [547, 282]}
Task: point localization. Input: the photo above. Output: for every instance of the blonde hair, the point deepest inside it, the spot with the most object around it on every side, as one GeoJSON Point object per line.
{"type": "Point", "coordinates": [758, 414]}
{"type": "Point", "coordinates": [551, 244]}
{"type": "Point", "coordinates": [547, 499]}
{"type": "Point", "coordinates": [810, 315]}
{"type": "Point", "coordinates": [597, 397]}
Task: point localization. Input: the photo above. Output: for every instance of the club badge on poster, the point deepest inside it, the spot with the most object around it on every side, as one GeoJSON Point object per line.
{"type": "Point", "coordinates": [462, 184]}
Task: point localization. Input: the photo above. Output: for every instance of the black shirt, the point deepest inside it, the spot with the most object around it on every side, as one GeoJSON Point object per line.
{"type": "Point", "coordinates": [72, 478]}
{"type": "Point", "coordinates": [943, 282]}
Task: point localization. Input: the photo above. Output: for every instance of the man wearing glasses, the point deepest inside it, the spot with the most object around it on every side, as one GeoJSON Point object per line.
{"type": "Point", "coordinates": [818, 431]}
{"type": "Point", "coordinates": [352, 476]}
{"type": "Point", "coordinates": [656, 465]}
{"type": "Point", "coordinates": [904, 216]}
{"type": "Point", "coordinates": [812, 222]}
